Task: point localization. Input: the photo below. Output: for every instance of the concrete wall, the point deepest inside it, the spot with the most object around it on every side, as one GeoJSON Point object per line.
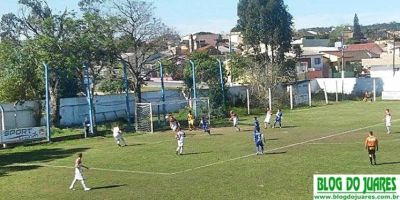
{"type": "Point", "coordinates": [19, 116]}
{"type": "Point", "coordinates": [108, 108]}
{"type": "Point", "coordinates": [354, 86]}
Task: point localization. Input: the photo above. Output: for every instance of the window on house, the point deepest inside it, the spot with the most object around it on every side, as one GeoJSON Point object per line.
{"type": "Point", "coordinates": [317, 61]}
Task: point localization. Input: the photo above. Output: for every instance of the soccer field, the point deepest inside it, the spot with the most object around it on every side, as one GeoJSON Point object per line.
{"type": "Point", "coordinates": [319, 140]}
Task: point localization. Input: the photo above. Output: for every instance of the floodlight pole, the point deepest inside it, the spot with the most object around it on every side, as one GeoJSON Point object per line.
{"type": "Point", "coordinates": [162, 89]}
{"type": "Point", "coordinates": [126, 85]}
{"type": "Point", "coordinates": [89, 97]}
{"type": "Point", "coordinates": [194, 87]}
{"type": "Point", "coordinates": [46, 79]}
{"type": "Point", "coordinates": [222, 80]}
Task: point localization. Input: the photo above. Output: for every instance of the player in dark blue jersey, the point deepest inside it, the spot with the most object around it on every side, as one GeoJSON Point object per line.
{"type": "Point", "coordinates": [204, 124]}
{"type": "Point", "coordinates": [256, 125]}
{"type": "Point", "coordinates": [259, 140]}
{"type": "Point", "coordinates": [278, 118]}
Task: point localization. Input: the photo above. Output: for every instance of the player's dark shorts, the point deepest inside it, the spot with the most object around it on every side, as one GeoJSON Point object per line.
{"type": "Point", "coordinates": [371, 151]}
{"type": "Point", "coordinates": [259, 144]}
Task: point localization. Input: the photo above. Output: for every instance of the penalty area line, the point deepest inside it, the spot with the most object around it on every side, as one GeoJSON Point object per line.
{"type": "Point", "coordinates": [278, 148]}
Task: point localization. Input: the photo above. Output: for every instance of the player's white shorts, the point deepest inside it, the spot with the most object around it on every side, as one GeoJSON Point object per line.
{"type": "Point", "coordinates": [267, 119]}
{"type": "Point", "coordinates": [174, 127]}
{"type": "Point", "coordinates": [117, 137]}
{"type": "Point", "coordinates": [180, 143]}
{"type": "Point", "coordinates": [78, 174]}
{"type": "Point", "coordinates": [235, 121]}
{"type": "Point", "coordinates": [388, 123]}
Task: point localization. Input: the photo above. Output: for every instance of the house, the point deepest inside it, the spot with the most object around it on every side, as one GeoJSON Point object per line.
{"type": "Point", "coordinates": [382, 67]}
{"type": "Point", "coordinates": [312, 63]}
{"type": "Point", "coordinates": [352, 56]}
{"type": "Point", "coordinates": [370, 47]}
{"type": "Point", "coordinates": [198, 40]}
{"type": "Point", "coordinates": [209, 49]}
{"type": "Point", "coordinates": [304, 42]}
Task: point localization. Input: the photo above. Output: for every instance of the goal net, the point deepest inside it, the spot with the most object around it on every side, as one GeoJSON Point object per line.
{"type": "Point", "coordinates": [179, 108]}
{"type": "Point", "coordinates": [144, 117]}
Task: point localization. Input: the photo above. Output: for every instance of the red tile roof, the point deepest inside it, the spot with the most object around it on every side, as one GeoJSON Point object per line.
{"type": "Point", "coordinates": [371, 47]}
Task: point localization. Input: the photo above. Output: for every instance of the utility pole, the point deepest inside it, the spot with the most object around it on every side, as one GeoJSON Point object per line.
{"type": "Point", "coordinates": [342, 55]}
{"type": "Point", "coordinates": [126, 86]}
{"type": "Point", "coordinates": [162, 89]}
{"type": "Point", "coordinates": [194, 87]}
{"type": "Point", "coordinates": [394, 52]}
{"type": "Point", "coordinates": [46, 78]}
{"type": "Point", "coordinates": [89, 96]}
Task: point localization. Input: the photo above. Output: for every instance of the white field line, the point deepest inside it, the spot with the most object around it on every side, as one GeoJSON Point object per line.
{"type": "Point", "coordinates": [279, 148]}
{"type": "Point", "coordinates": [199, 167]}
{"type": "Point", "coordinates": [93, 168]}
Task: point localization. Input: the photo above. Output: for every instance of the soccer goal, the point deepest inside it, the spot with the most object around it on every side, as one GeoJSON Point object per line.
{"type": "Point", "coordinates": [160, 110]}
{"type": "Point", "coordinates": [144, 117]}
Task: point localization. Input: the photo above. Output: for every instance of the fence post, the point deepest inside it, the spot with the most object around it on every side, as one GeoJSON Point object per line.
{"type": "Point", "coordinates": [270, 98]}
{"type": "Point", "coordinates": [291, 96]}
{"type": "Point", "coordinates": [326, 94]}
{"type": "Point", "coordinates": [374, 88]}
{"type": "Point", "coordinates": [248, 101]}
{"type": "Point", "coordinates": [2, 126]}
{"type": "Point", "coordinates": [337, 96]}
{"type": "Point", "coordinates": [309, 93]}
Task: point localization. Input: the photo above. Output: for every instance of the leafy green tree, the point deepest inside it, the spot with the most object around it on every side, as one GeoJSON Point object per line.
{"type": "Point", "coordinates": [47, 37]}
{"type": "Point", "coordinates": [239, 66]}
{"type": "Point", "coordinates": [269, 23]}
{"type": "Point", "coordinates": [267, 28]}
{"type": "Point", "coordinates": [207, 71]}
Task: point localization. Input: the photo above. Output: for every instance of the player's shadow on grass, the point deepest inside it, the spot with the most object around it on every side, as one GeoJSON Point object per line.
{"type": "Point", "coordinates": [216, 134]}
{"type": "Point", "coordinates": [108, 186]}
{"type": "Point", "coordinates": [195, 153]}
{"type": "Point", "coordinates": [271, 139]}
{"type": "Point", "coordinates": [38, 155]}
{"type": "Point", "coordinates": [135, 144]}
{"type": "Point", "coordinates": [389, 163]}
{"type": "Point", "coordinates": [289, 126]}
{"type": "Point", "coordinates": [273, 153]}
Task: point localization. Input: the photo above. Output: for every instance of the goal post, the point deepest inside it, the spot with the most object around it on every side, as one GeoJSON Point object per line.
{"type": "Point", "coordinates": [144, 117]}
{"type": "Point", "coordinates": [180, 107]}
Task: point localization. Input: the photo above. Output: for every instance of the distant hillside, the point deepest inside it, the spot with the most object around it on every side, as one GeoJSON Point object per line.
{"type": "Point", "coordinates": [372, 32]}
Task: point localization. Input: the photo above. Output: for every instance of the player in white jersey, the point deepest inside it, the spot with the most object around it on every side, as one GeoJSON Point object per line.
{"type": "Point", "coordinates": [117, 134]}
{"type": "Point", "coordinates": [388, 121]}
{"type": "Point", "coordinates": [173, 122]}
{"type": "Point", "coordinates": [180, 136]}
{"type": "Point", "coordinates": [267, 119]}
{"type": "Point", "coordinates": [79, 173]}
{"type": "Point", "coordinates": [235, 119]}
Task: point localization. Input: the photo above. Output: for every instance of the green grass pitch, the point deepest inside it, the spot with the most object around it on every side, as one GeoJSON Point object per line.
{"type": "Point", "coordinates": [319, 140]}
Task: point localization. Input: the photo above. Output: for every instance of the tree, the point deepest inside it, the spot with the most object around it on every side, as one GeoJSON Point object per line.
{"type": "Point", "coordinates": [47, 38]}
{"type": "Point", "coordinates": [266, 26]}
{"type": "Point", "coordinates": [357, 34]}
{"type": "Point", "coordinates": [266, 22]}
{"type": "Point", "coordinates": [142, 37]}
{"type": "Point", "coordinates": [207, 71]}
